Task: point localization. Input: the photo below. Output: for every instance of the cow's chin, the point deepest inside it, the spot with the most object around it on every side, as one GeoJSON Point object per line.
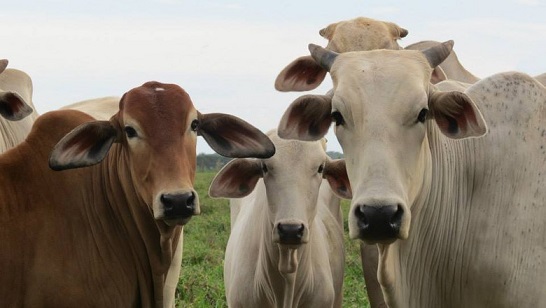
{"type": "Point", "coordinates": [171, 222]}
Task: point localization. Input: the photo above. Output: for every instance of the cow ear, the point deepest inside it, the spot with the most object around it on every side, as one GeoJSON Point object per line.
{"type": "Point", "coordinates": [308, 118]}
{"type": "Point", "coordinates": [13, 107]}
{"type": "Point", "coordinates": [237, 179]}
{"type": "Point", "coordinates": [84, 146]}
{"type": "Point", "coordinates": [456, 115]}
{"type": "Point", "coordinates": [438, 75]}
{"type": "Point", "coordinates": [336, 174]}
{"type": "Point", "coordinates": [232, 137]}
{"type": "Point", "coordinates": [3, 64]}
{"type": "Point", "coordinates": [303, 74]}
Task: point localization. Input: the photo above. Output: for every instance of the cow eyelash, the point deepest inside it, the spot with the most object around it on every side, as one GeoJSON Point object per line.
{"type": "Point", "coordinates": [338, 118]}
{"type": "Point", "coordinates": [264, 168]}
{"type": "Point", "coordinates": [320, 168]}
{"type": "Point", "coordinates": [194, 125]}
{"type": "Point", "coordinates": [130, 132]}
{"type": "Point", "coordinates": [422, 115]}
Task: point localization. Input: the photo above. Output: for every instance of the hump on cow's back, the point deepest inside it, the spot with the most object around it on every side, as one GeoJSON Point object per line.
{"type": "Point", "coordinates": [54, 125]}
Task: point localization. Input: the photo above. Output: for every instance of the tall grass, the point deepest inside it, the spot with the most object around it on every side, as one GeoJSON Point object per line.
{"type": "Point", "coordinates": [205, 237]}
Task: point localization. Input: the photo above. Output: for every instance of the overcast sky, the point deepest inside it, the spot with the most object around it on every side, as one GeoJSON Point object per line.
{"type": "Point", "coordinates": [226, 54]}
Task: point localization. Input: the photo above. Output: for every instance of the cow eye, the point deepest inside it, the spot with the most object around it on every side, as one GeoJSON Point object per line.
{"type": "Point", "coordinates": [422, 115]}
{"type": "Point", "coordinates": [264, 168]}
{"type": "Point", "coordinates": [194, 125]}
{"type": "Point", "coordinates": [338, 118]}
{"type": "Point", "coordinates": [130, 132]}
{"type": "Point", "coordinates": [320, 168]}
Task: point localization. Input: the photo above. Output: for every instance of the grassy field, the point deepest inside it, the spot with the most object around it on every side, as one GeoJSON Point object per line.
{"type": "Point", "coordinates": [205, 237]}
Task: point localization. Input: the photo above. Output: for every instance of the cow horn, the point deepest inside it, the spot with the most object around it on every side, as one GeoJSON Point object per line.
{"type": "Point", "coordinates": [437, 54]}
{"type": "Point", "coordinates": [323, 57]}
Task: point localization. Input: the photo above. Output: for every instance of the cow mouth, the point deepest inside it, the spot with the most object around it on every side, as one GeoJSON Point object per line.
{"type": "Point", "coordinates": [177, 221]}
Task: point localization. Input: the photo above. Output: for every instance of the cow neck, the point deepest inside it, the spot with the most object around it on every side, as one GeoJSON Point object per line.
{"type": "Point", "coordinates": [438, 224]}
{"type": "Point", "coordinates": [137, 220]}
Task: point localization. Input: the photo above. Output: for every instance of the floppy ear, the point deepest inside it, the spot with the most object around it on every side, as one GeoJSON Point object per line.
{"type": "Point", "coordinates": [308, 118]}
{"type": "Point", "coordinates": [13, 107]}
{"type": "Point", "coordinates": [3, 65]}
{"type": "Point", "coordinates": [456, 115]}
{"type": "Point", "coordinates": [236, 179]}
{"type": "Point", "coordinates": [85, 145]}
{"type": "Point", "coordinates": [303, 74]}
{"type": "Point", "coordinates": [438, 75]}
{"type": "Point", "coordinates": [232, 137]}
{"type": "Point", "coordinates": [336, 174]}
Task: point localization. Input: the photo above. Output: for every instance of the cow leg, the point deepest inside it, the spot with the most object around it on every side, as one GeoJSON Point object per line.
{"type": "Point", "coordinates": [369, 256]}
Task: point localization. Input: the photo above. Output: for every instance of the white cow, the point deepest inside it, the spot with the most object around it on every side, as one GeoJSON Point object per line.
{"type": "Point", "coordinates": [459, 221]}
{"type": "Point", "coordinates": [286, 245]}
{"type": "Point", "coordinates": [16, 108]}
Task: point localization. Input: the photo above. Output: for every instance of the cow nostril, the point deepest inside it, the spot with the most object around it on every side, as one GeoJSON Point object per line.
{"type": "Point", "coordinates": [190, 202]}
{"type": "Point", "coordinates": [396, 219]}
{"type": "Point", "coordinates": [179, 205]}
{"type": "Point", "coordinates": [359, 213]}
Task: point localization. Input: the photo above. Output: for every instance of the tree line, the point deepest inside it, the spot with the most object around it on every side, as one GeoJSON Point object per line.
{"type": "Point", "coordinates": [213, 162]}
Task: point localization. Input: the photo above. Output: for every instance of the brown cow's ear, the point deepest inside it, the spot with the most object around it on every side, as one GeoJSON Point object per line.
{"type": "Point", "coordinates": [308, 118]}
{"type": "Point", "coordinates": [303, 74]}
{"type": "Point", "coordinates": [237, 179]}
{"type": "Point", "coordinates": [336, 174]}
{"type": "Point", "coordinates": [456, 115]}
{"type": "Point", "coordinates": [84, 146]}
{"type": "Point", "coordinates": [232, 137]}
{"type": "Point", "coordinates": [13, 107]}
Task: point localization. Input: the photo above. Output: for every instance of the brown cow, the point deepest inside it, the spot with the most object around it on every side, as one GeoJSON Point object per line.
{"type": "Point", "coordinates": [104, 235]}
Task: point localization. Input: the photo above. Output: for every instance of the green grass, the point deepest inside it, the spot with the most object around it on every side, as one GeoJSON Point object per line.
{"type": "Point", "coordinates": [205, 237]}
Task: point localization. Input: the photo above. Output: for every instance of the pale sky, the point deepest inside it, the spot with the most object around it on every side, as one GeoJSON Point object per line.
{"type": "Point", "coordinates": [227, 54]}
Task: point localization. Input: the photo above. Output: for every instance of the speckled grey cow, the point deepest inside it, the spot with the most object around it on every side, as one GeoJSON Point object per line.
{"type": "Point", "coordinates": [458, 215]}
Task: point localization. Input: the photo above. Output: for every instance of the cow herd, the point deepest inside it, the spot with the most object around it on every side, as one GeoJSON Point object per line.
{"type": "Point", "coordinates": [445, 172]}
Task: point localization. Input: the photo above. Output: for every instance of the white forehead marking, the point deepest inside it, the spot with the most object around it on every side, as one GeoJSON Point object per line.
{"type": "Point", "coordinates": [159, 89]}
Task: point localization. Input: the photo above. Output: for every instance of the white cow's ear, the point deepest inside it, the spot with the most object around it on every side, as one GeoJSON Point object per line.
{"type": "Point", "coordinates": [3, 64]}
{"type": "Point", "coordinates": [308, 118]}
{"type": "Point", "coordinates": [236, 179]}
{"type": "Point", "coordinates": [456, 115]}
{"type": "Point", "coordinates": [302, 74]}
{"type": "Point", "coordinates": [84, 146]}
{"type": "Point", "coordinates": [336, 174]}
{"type": "Point", "coordinates": [232, 137]}
{"type": "Point", "coordinates": [13, 107]}
{"type": "Point", "coordinates": [437, 75]}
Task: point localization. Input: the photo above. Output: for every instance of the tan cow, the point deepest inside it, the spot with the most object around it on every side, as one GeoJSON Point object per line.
{"type": "Point", "coordinates": [103, 232]}
{"type": "Point", "coordinates": [361, 33]}
{"type": "Point", "coordinates": [457, 224]}
{"type": "Point", "coordinates": [16, 108]}
{"type": "Point", "coordinates": [286, 245]}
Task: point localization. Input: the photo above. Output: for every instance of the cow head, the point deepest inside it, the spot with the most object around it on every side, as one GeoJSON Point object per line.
{"type": "Point", "coordinates": [156, 129]}
{"type": "Point", "coordinates": [357, 34]}
{"type": "Point", "coordinates": [292, 178]}
{"type": "Point", "coordinates": [384, 108]}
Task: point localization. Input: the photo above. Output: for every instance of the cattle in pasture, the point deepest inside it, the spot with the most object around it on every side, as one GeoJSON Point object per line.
{"type": "Point", "coordinates": [456, 223]}
{"type": "Point", "coordinates": [101, 228]}
{"type": "Point", "coordinates": [286, 242]}
{"type": "Point", "coordinates": [16, 109]}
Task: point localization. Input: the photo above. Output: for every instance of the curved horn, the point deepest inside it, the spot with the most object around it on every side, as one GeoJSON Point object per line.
{"type": "Point", "coordinates": [323, 57]}
{"type": "Point", "coordinates": [437, 54]}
